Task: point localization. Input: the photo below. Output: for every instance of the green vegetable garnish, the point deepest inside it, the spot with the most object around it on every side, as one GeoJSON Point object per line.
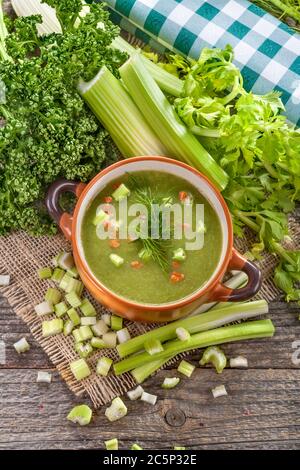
{"type": "Point", "coordinates": [81, 414]}
{"type": "Point", "coordinates": [216, 357]}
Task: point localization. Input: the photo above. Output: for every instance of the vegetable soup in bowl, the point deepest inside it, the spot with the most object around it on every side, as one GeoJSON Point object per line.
{"type": "Point", "coordinates": [152, 239]}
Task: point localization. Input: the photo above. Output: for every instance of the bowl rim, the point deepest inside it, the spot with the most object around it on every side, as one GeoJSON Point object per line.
{"type": "Point", "coordinates": [212, 282]}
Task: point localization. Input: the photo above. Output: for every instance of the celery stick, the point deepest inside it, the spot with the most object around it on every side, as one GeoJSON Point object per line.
{"type": "Point", "coordinates": [161, 115]}
{"type": "Point", "coordinates": [195, 324]}
{"type": "Point", "coordinates": [141, 373]}
{"type": "Point", "coordinates": [249, 330]}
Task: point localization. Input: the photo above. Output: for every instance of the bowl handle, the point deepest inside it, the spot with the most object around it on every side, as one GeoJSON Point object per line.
{"type": "Point", "coordinates": [239, 263]}
{"type": "Point", "coordinates": [63, 219]}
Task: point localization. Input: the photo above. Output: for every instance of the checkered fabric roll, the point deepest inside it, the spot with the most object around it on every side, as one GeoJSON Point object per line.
{"type": "Point", "coordinates": [266, 50]}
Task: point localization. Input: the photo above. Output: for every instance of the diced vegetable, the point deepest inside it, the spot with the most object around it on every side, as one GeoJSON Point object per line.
{"type": "Point", "coordinates": [179, 448]}
{"type": "Point", "coordinates": [238, 361]}
{"type": "Point", "coordinates": [186, 368]}
{"type": "Point", "coordinates": [65, 260]}
{"type": "Point", "coordinates": [52, 327]}
{"type": "Point", "coordinates": [160, 114]}
{"type": "Point", "coordinates": [80, 369]}
{"type": "Point", "coordinates": [80, 414]}
{"type": "Point", "coordinates": [88, 321]}
{"type": "Point", "coordinates": [43, 377]}
{"type": "Point", "coordinates": [74, 285]}
{"type": "Point", "coordinates": [136, 393]}
{"type": "Point", "coordinates": [116, 259]}
{"type": "Point", "coordinates": [149, 398]}
{"type": "Point", "coordinates": [45, 273]}
{"type": "Point", "coordinates": [153, 346]}
{"type": "Point", "coordinates": [85, 333]}
{"type": "Point", "coordinates": [219, 391]}
{"type": "Point", "coordinates": [117, 410]}
{"type": "Point", "coordinates": [110, 339]}
{"type": "Point", "coordinates": [77, 336]}
{"type": "Point", "coordinates": [73, 272]}
{"type": "Point", "coordinates": [123, 335]}
{"type": "Point", "coordinates": [84, 350]}
{"type": "Point", "coordinates": [87, 308]}
{"type": "Point", "coordinates": [136, 447]}
{"type": "Point", "coordinates": [74, 317]}
{"type": "Point", "coordinates": [98, 343]}
{"type": "Point", "coordinates": [53, 295]}
{"type": "Point", "coordinates": [60, 309]}
{"type": "Point", "coordinates": [121, 192]}
{"type": "Point", "coordinates": [182, 334]}
{"type": "Point", "coordinates": [44, 308]}
{"type": "Point", "coordinates": [68, 327]}
{"type": "Point", "coordinates": [100, 328]}
{"type": "Point", "coordinates": [100, 217]}
{"type": "Point", "coordinates": [103, 366]}
{"type": "Point", "coordinates": [170, 382]}
{"type": "Point", "coordinates": [65, 281]}
{"type": "Point", "coordinates": [4, 280]}
{"type": "Point", "coordinates": [106, 317]}
{"type": "Point", "coordinates": [215, 356]}
{"type": "Point", "coordinates": [21, 346]}
{"type": "Point", "coordinates": [179, 254]}
{"type": "Point", "coordinates": [73, 299]}
{"type": "Point", "coordinates": [116, 322]}
{"type": "Point", "coordinates": [58, 275]}
{"type": "Point", "coordinates": [112, 444]}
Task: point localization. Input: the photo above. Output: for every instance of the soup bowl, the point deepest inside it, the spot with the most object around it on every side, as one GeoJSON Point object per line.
{"type": "Point", "coordinates": [212, 290]}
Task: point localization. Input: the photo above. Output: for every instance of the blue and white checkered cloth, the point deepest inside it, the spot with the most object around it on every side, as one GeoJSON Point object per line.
{"type": "Point", "coordinates": [266, 50]}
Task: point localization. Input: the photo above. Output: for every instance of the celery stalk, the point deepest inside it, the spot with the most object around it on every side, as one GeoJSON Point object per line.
{"type": "Point", "coordinates": [141, 373]}
{"type": "Point", "coordinates": [161, 115]}
{"type": "Point", "coordinates": [113, 106]}
{"type": "Point", "coordinates": [195, 324]}
{"type": "Point", "coordinates": [249, 330]}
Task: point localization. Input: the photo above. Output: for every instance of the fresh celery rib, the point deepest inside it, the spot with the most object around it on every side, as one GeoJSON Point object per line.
{"type": "Point", "coordinates": [226, 334]}
{"type": "Point", "coordinates": [113, 106]}
{"type": "Point", "coordinates": [141, 373]}
{"type": "Point", "coordinates": [195, 324]}
{"type": "Point", "coordinates": [161, 115]}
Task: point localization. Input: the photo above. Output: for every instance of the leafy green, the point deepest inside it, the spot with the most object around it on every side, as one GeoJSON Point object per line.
{"type": "Point", "coordinates": [46, 129]}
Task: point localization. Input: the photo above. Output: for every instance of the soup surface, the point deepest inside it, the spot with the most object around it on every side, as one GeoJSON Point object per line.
{"type": "Point", "coordinates": [135, 274]}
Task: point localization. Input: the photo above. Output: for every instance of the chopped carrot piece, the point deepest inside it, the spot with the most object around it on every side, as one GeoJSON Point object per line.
{"type": "Point", "coordinates": [136, 264]}
{"type": "Point", "coordinates": [176, 277]}
{"type": "Point", "coordinates": [182, 195]}
{"type": "Point", "coordinates": [114, 243]}
{"type": "Point", "coordinates": [175, 264]}
{"type": "Point", "coordinates": [108, 199]}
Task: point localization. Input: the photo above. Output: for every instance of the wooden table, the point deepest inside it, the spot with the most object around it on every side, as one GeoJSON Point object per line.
{"type": "Point", "coordinates": [261, 411]}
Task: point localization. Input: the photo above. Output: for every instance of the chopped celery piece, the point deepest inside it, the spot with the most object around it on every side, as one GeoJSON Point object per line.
{"type": "Point", "coordinates": [73, 272]}
{"type": "Point", "coordinates": [136, 393]}
{"type": "Point", "coordinates": [52, 327]}
{"type": "Point", "coordinates": [87, 308]}
{"type": "Point", "coordinates": [45, 273]}
{"type": "Point", "coordinates": [238, 361]}
{"type": "Point", "coordinates": [68, 327]}
{"type": "Point", "coordinates": [116, 323]}
{"type": "Point", "coordinates": [80, 369]}
{"type": "Point", "coordinates": [77, 336]}
{"type": "Point", "coordinates": [53, 295]}
{"type": "Point", "coordinates": [73, 299]}
{"type": "Point", "coordinates": [103, 366]}
{"type": "Point", "coordinates": [57, 275]}
{"type": "Point", "coordinates": [149, 398]}
{"type": "Point", "coordinates": [80, 414]}
{"type": "Point", "coordinates": [86, 333]}
{"type": "Point", "coordinates": [44, 308]}
{"type": "Point", "coordinates": [84, 350]}
{"type": "Point", "coordinates": [106, 317]}
{"type": "Point", "coordinates": [219, 391]}
{"type": "Point", "coordinates": [98, 343]}
{"type": "Point", "coordinates": [100, 217]}
{"type": "Point", "coordinates": [88, 321]}
{"type": "Point", "coordinates": [144, 254]}
{"type": "Point", "coordinates": [179, 448]}
{"type": "Point", "coordinates": [43, 377]}
{"type": "Point", "coordinates": [110, 339]}
{"type": "Point", "coordinates": [60, 309]}
{"type": "Point", "coordinates": [113, 106]}
{"type": "Point", "coordinates": [4, 280]}
{"type": "Point", "coordinates": [74, 317]}
{"type": "Point", "coordinates": [153, 346]}
{"type": "Point", "coordinates": [65, 260]}
{"type": "Point", "coordinates": [123, 335]}
{"type": "Point", "coordinates": [121, 192]}
{"type": "Point", "coordinates": [215, 356]}
{"type": "Point", "coordinates": [179, 254]}
{"type": "Point", "coordinates": [21, 346]}
{"type": "Point", "coordinates": [54, 261]}
{"type": "Point", "coordinates": [74, 285]}
{"type": "Point", "coordinates": [116, 259]}
{"type": "Point", "coordinates": [161, 115]}
{"type": "Point", "coordinates": [182, 334]}
{"type": "Point", "coordinates": [136, 447]}
{"type": "Point", "coordinates": [65, 281]}
{"type": "Point", "coordinates": [186, 368]}
{"type": "Point", "coordinates": [170, 382]}
{"type": "Point", "coordinates": [117, 410]}
{"type": "Point", "coordinates": [112, 444]}
{"type": "Point", "coordinates": [100, 328]}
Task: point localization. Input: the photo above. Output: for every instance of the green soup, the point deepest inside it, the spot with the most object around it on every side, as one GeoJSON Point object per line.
{"type": "Point", "coordinates": [140, 277]}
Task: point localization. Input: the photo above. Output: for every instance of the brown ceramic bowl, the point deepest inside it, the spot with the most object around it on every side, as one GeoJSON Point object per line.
{"type": "Point", "coordinates": [213, 290]}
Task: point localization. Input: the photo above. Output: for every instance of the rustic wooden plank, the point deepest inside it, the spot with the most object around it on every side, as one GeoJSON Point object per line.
{"type": "Point", "coordinates": [261, 411]}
